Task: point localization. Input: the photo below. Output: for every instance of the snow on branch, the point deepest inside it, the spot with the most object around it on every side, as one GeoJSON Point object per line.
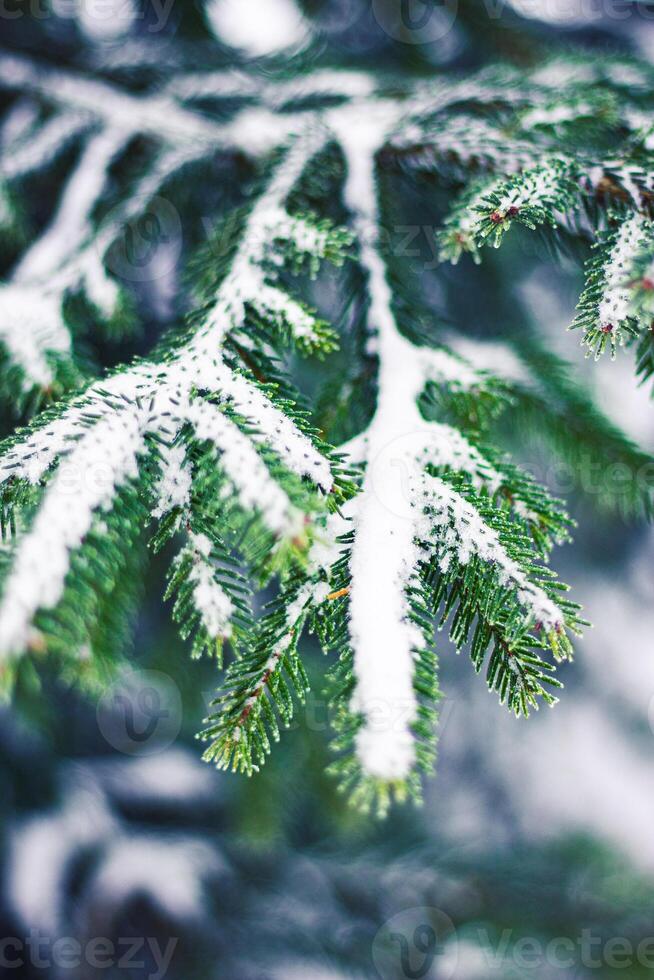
{"type": "Point", "coordinates": [392, 520]}
{"type": "Point", "coordinates": [461, 143]}
{"type": "Point", "coordinates": [203, 602]}
{"type": "Point", "coordinates": [41, 145]}
{"type": "Point", "coordinates": [32, 326]}
{"type": "Point", "coordinates": [617, 276]}
{"type": "Point", "coordinates": [486, 211]}
{"type": "Point", "coordinates": [444, 129]}
{"type": "Point", "coordinates": [108, 430]}
{"type": "Point", "coordinates": [460, 532]}
{"type": "Point", "coordinates": [70, 257]}
{"type": "Point", "coordinates": [274, 93]}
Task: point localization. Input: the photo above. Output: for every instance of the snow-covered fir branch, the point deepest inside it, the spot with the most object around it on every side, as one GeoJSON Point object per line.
{"type": "Point", "coordinates": [392, 531]}
{"type": "Point", "coordinates": [418, 519]}
{"type": "Point", "coordinates": [617, 276]}
{"type": "Point", "coordinates": [103, 438]}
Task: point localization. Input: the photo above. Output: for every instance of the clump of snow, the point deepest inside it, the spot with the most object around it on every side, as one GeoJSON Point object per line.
{"type": "Point", "coordinates": [259, 27]}
{"type": "Point", "coordinates": [174, 486]}
{"type": "Point", "coordinates": [213, 603]}
{"type": "Point", "coordinates": [106, 20]}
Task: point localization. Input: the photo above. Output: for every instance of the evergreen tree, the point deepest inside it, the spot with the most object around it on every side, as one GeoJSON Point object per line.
{"type": "Point", "coordinates": [381, 505]}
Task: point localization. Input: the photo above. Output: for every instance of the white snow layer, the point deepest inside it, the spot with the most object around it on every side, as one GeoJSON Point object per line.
{"type": "Point", "coordinates": [212, 602]}
{"type": "Point", "coordinates": [106, 20]}
{"type": "Point", "coordinates": [615, 305]}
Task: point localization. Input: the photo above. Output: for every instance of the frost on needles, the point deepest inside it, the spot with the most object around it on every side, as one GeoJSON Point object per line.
{"type": "Point", "coordinates": [379, 523]}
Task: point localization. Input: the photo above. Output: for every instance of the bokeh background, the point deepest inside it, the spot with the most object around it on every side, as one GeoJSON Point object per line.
{"type": "Point", "coordinates": [534, 852]}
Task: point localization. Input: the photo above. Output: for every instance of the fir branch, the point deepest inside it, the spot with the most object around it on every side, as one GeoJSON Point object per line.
{"type": "Point", "coordinates": [211, 596]}
{"type": "Point", "coordinates": [543, 402]}
{"type": "Point", "coordinates": [110, 427]}
{"type": "Point", "coordinates": [419, 518]}
{"type": "Point", "coordinates": [613, 307]}
{"type": "Point", "coordinates": [388, 630]}
{"type": "Point", "coordinates": [259, 690]}
{"type": "Point", "coordinates": [486, 212]}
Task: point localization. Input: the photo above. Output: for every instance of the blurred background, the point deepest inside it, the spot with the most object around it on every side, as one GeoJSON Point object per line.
{"type": "Point", "coordinates": [123, 855]}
